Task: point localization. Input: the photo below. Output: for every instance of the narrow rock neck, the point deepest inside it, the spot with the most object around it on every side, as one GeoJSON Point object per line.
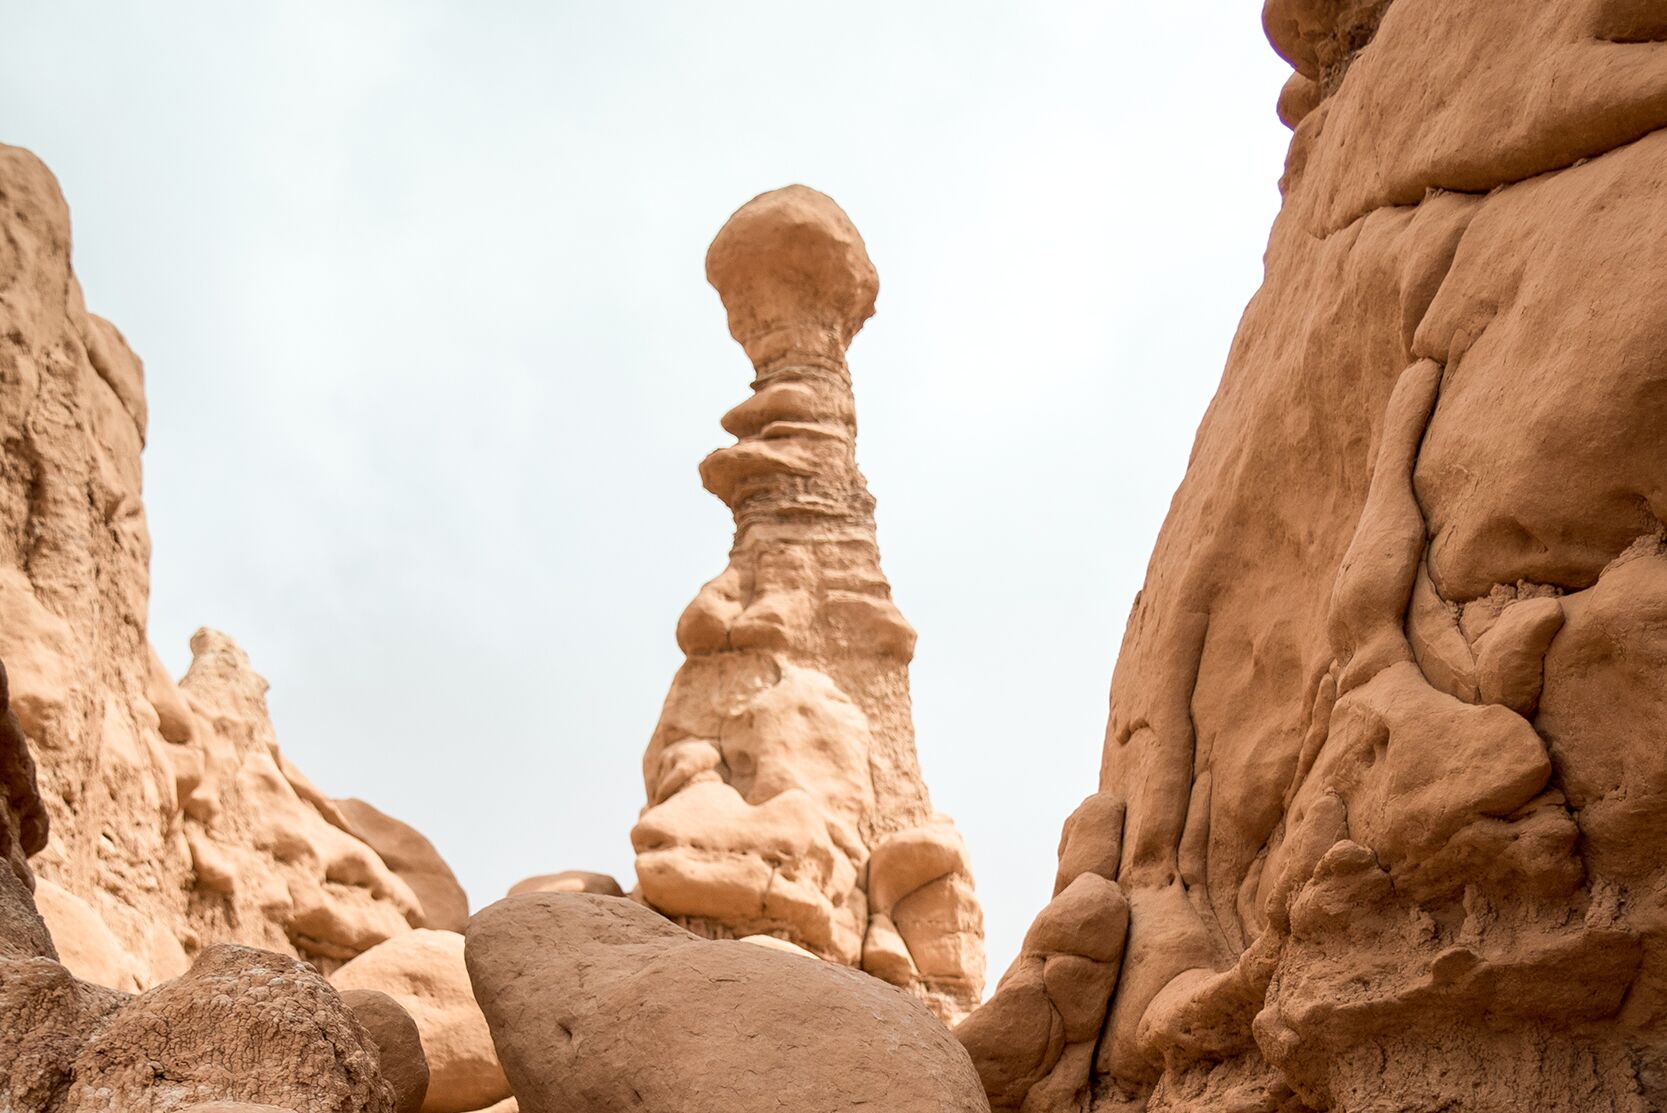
{"type": "Point", "coordinates": [792, 477]}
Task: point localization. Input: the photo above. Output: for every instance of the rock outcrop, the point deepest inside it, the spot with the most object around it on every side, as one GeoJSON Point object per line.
{"type": "Point", "coordinates": [240, 1025]}
{"type": "Point", "coordinates": [1033, 1043]}
{"type": "Point", "coordinates": [443, 904]}
{"type": "Point", "coordinates": [424, 972]}
{"type": "Point", "coordinates": [273, 862]}
{"type": "Point", "coordinates": [1382, 787]}
{"type": "Point", "coordinates": [598, 1004]}
{"type": "Point", "coordinates": [784, 793]}
{"type": "Point", "coordinates": [178, 822]}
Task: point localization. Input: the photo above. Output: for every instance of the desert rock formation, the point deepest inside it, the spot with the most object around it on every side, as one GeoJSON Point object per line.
{"type": "Point", "coordinates": [240, 1025]}
{"type": "Point", "coordinates": [441, 900]}
{"type": "Point", "coordinates": [1383, 788]}
{"type": "Point", "coordinates": [177, 820]}
{"type": "Point", "coordinates": [784, 793]}
{"type": "Point", "coordinates": [598, 1004]}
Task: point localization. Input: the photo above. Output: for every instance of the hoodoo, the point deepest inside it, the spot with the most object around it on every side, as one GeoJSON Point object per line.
{"type": "Point", "coordinates": [784, 794]}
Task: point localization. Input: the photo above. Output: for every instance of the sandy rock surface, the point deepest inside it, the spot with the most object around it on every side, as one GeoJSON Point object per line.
{"type": "Point", "coordinates": [85, 944]}
{"type": "Point", "coordinates": [784, 794]}
{"type": "Point", "coordinates": [1035, 1039]}
{"type": "Point", "coordinates": [598, 1004]}
{"type": "Point", "coordinates": [1381, 774]}
{"type": "Point", "coordinates": [424, 972]}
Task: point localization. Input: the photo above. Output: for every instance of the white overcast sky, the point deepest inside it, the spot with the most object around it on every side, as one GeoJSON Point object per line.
{"type": "Point", "coordinates": [431, 360]}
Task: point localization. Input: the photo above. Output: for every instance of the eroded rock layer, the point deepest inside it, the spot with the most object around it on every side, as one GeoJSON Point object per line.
{"type": "Point", "coordinates": [1383, 790]}
{"type": "Point", "coordinates": [177, 821]}
{"type": "Point", "coordinates": [784, 794]}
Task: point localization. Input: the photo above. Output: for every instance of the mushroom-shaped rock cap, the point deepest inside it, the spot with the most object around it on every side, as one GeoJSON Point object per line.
{"type": "Point", "coordinates": [790, 261]}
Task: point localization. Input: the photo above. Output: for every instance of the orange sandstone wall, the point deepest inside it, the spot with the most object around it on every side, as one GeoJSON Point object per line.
{"type": "Point", "coordinates": [1380, 817]}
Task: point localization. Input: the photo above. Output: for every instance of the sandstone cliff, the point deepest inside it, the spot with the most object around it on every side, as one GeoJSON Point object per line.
{"type": "Point", "coordinates": [177, 822]}
{"type": "Point", "coordinates": [785, 797]}
{"type": "Point", "coordinates": [1382, 793]}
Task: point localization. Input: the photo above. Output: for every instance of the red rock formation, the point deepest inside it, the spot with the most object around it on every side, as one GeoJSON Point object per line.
{"type": "Point", "coordinates": [1382, 786]}
{"type": "Point", "coordinates": [785, 797]}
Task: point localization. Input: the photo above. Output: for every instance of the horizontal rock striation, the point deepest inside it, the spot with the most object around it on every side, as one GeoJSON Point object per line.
{"type": "Point", "coordinates": [784, 793]}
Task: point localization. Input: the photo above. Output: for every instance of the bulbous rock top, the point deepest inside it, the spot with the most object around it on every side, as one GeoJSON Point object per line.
{"type": "Point", "coordinates": [790, 261]}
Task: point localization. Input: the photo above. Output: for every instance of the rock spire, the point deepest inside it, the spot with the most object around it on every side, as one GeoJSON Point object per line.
{"type": "Point", "coordinates": [784, 793]}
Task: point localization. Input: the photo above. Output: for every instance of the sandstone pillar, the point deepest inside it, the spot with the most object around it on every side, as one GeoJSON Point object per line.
{"type": "Point", "coordinates": [784, 793]}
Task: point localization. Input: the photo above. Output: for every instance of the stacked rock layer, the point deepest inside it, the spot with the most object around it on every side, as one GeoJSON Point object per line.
{"type": "Point", "coordinates": [784, 793]}
{"type": "Point", "coordinates": [1383, 790]}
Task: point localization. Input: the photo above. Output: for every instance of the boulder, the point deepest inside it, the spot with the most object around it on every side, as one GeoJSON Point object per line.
{"type": "Point", "coordinates": [241, 1025]}
{"type": "Point", "coordinates": [569, 881]}
{"type": "Point", "coordinates": [46, 1015]}
{"type": "Point", "coordinates": [598, 1004]}
{"type": "Point", "coordinates": [399, 1045]}
{"type": "Point", "coordinates": [424, 972]}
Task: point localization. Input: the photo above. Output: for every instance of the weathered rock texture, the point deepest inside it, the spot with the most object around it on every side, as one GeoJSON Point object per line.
{"type": "Point", "coordinates": [178, 822]}
{"type": "Point", "coordinates": [1383, 787]}
{"type": "Point", "coordinates": [598, 1004]}
{"type": "Point", "coordinates": [240, 1024]}
{"type": "Point", "coordinates": [784, 794]}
